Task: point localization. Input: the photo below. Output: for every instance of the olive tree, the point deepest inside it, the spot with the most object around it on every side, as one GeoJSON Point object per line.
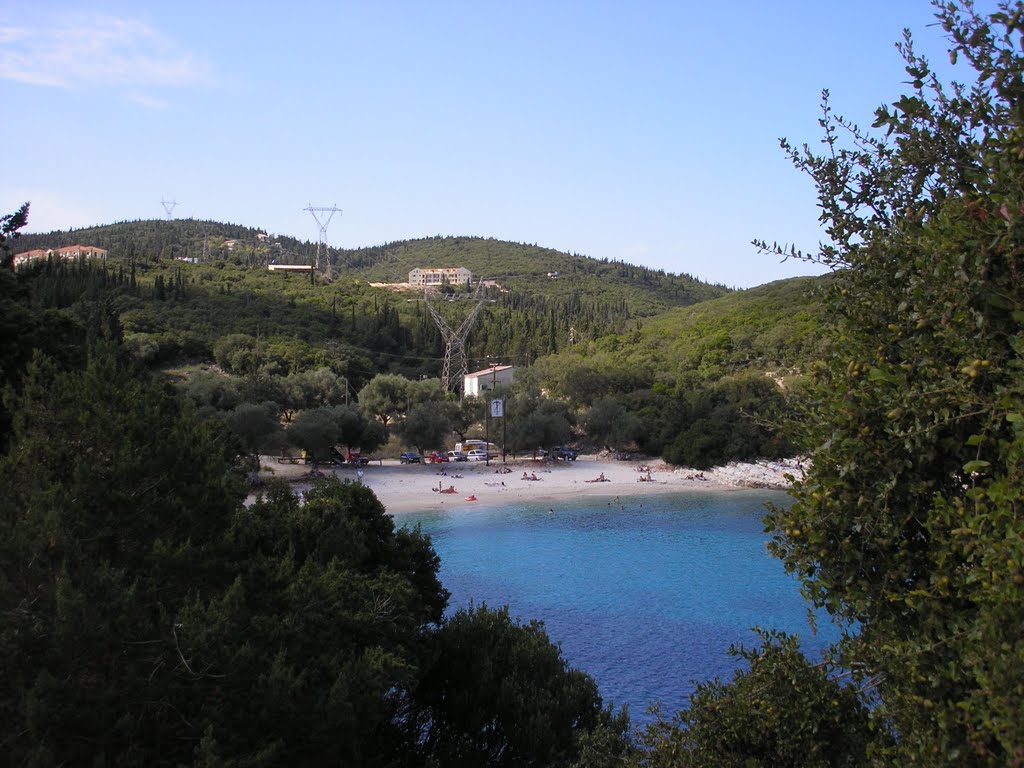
{"type": "Point", "coordinates": [908, 525]}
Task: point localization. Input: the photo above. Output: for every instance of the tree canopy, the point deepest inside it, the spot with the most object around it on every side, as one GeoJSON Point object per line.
{"type": "Point", "coordinates": [909, 524]}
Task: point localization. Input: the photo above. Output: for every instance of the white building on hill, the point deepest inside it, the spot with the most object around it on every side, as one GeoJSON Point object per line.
{"type": "Point", "coordinates": [440, 276]}
{"type": "Point", "coordinates": [67, 253]}
{"type": "Point", "coordinates": [475, 384]}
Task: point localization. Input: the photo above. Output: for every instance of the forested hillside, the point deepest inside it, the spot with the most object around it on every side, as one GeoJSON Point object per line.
{"type": "Point", "coordinates": [590, 336]}
{"type": "Point", "coordinates": [176, 310]}
{"type": "Point", "coordinates": [151, 617]}
{"type": "Point", "coordinates": [773, 329]}
{"type": "Point", "coordinates": [517, 267]}
{"type": "Point", "coordinates": [698, 385]}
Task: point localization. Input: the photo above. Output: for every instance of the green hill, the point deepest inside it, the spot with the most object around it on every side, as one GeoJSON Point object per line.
{"type": "Point", "coordinates": [517, 267]}
{"type": "Point", "coordinates": [772, 329]}
{"type": "Point", "coordinates": [522, 267]}
{"type": "Point", "coordinates": [674, 366]}
{"type": "Point", "coordinates": [182, 285]}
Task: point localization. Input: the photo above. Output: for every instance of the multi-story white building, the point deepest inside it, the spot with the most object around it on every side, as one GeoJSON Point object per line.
{"type": "Point", "coordinates": [440, 276]}
{"type": "Point", "coordinates": [68, 252]}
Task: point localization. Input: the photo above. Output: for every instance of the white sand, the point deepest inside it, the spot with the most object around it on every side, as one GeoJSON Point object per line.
{"type": "Point", "coordinates": [414, 487]}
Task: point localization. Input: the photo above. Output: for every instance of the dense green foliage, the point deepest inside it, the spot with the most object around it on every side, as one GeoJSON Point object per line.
{"type": "Point", "coordinates": [516, 266]}
{"type": "Point", "coordinates": [910, 523]}
{"type": "Point", "coordinates": [701, 385]}
{"type": "Point", "coordinates": [782, 711]}
{"type": "Point", "coordinates": [774, 328]}
{"type": "Point", "coordinates": [149, 617]}
{"type": "Point", "coordinates": [498, 693]}
{"type": "Point", "coordinates": [181, 309]}
{"type": "Point", "coordinates": [582, 331]}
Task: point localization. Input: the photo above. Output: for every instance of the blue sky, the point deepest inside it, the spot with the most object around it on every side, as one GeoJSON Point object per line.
{"type": "Point", "coordinates": [640, 131]}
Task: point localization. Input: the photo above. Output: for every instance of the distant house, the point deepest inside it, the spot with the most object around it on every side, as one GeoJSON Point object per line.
{"type": "Point", "coordinates": [475, 384]}
{"type": "Point", "coordinates": [67, 253]}
{"type": "Point", "coordinates": [440, 276]}
{"type": "Point", "coordinates": [290, 267]}
{"type": "Point", "coordinates": [25, 257]}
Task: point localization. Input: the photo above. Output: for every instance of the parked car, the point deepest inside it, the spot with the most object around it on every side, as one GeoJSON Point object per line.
{"type": "Point", "coordinates": [410, 457]}
{"type": "Point", "coordinates": [457, 456]}
{"type": "Point", "coordinates": [358, 460]}
{"type": "Point", "coordinates": [438, 457]}
{"type": "Point", "coordinates": [563, 452]}
{"type": "Point", "coordinates": [476, 455]}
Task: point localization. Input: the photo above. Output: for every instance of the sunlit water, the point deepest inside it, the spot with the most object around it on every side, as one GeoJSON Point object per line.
{"type": "Point", "coordinates": [645, 594]}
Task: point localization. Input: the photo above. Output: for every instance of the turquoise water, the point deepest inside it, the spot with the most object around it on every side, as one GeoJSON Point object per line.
{"type": "Point", "coordinates": [644, 594]}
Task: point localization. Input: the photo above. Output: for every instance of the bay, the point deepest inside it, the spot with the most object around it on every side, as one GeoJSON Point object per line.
{"type": "Point", "coordinates": [646, 594]}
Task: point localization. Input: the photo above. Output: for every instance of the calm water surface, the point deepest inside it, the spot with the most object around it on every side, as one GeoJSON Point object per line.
{"type": "Point", "coordinates": [645, 594]}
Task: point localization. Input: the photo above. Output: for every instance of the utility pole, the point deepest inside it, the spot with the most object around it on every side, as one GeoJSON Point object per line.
{"type": "Point", "coordinates": [490, 407]}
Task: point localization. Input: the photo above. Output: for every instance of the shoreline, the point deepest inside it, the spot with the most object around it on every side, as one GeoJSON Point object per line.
{"type": "Point", "coordinates": [409, 488]}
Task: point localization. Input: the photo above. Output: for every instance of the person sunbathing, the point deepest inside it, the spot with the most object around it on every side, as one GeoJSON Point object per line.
{"type": "Point", "coordinates": [599, 479]}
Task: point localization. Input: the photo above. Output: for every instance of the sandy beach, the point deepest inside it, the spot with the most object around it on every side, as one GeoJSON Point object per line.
{"type": "Point", "coordinates": [422, 487]}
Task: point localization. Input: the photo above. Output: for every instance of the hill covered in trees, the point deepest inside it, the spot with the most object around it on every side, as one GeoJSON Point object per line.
{"type": "Point", "coordinates": [517, 267]}
{"type": "Point", "coordinates": [580, 344]}
{"type": "Point", "coordinates": [151, 617]}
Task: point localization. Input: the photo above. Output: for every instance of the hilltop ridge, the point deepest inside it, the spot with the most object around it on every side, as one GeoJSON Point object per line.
{"type": "Point", "coordinates": [517, 266]}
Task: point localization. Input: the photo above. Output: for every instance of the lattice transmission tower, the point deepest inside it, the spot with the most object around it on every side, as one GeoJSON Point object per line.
{"type": "Point", "coordinates": [455, 340]}
{"type": "Point", "coordinates": [169, 206]}
{"type": "Point", "coordinates": [322, 216]}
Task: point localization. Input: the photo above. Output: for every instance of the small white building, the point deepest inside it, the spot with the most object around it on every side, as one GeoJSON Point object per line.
{"type": "Point", "coordinates": [440, 276]}
{"type": "Point", "coordinates": [290, 267]}
{"type": "Point", "coordinates": [477, 383]}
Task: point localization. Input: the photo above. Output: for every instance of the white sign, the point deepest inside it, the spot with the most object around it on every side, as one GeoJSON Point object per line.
{"type": "Point", "coordinates": [497, 409]}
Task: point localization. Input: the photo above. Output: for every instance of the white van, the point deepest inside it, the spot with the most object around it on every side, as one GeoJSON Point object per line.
{"type": "Point", "coordinates": [479, 445]}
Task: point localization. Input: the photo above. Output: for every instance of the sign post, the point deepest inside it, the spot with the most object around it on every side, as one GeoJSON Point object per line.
{"type": "Point", "coordinates": [495, 411]}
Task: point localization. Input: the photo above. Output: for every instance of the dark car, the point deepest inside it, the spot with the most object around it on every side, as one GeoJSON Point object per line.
{"type": "Point", "coordinates": [563, 452]}
{"type": "Point", "coordinates": [410, 457]}
{"type": "Point", "coordinates": [356, 459]}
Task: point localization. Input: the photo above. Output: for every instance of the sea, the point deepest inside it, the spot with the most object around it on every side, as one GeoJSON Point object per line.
{"type": "Point", "coordinates": [645, 594]}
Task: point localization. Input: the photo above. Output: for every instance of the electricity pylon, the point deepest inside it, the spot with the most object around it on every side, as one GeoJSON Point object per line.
{"type": "Point", "coordinates": [455, 340]}
{"type": "Point", "coordinates": [322, 223]}
{"type": "Point", "coordinates": [169, 206]}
